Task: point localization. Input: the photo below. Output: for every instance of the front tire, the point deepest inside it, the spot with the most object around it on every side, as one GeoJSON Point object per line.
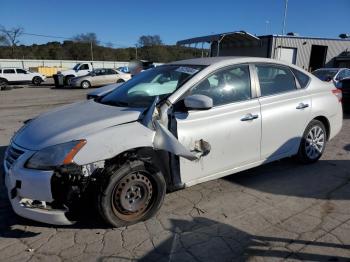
{"type": "Point", "coordinates": [37, 81]}
{"type": "Point", "coordinates": [85, 84]}
{"type": "Point", "coordinates": [130, 193]}
{"type": "Point", "coordinates": [313, 142]}
{"type": "Point", "coordinates": [120, 81]}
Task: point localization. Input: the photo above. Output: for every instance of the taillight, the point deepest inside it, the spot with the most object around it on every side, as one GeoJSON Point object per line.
{"type": "Point", "coordinates": [338, 93]}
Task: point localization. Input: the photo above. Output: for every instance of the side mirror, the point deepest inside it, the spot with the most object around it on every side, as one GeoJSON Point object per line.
{"type": "Point", "coordinates": [198, 102]}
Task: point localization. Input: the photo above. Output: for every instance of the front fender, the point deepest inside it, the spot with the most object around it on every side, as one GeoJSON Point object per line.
{"type": "Point", "coordinates": [112, 141]}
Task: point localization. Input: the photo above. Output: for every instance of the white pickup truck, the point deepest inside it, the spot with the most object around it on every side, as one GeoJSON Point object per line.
{"type": "Point", "coordinates": [62, 77]}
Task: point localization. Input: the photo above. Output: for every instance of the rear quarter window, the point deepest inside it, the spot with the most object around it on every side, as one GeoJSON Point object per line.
{"type": "Point", "coordinates": [302, 78]}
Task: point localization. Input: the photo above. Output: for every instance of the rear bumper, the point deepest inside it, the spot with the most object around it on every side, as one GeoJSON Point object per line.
{"type": "Point", "coordinates": [336, 122]}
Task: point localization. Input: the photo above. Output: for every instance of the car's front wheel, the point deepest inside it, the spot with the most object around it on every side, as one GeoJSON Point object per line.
{"type": "Point", "coordinates": [119, 81]}
{"type": "Point", "coordinates": [130, 193]}
{"type": "Point", "coordinates": [313, 142]}
{"type": "Point", "coordinates": [37, 80]}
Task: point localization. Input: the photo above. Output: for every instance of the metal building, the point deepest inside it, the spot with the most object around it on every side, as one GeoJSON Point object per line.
{"type": "Point", "coordinates": [309, 53]}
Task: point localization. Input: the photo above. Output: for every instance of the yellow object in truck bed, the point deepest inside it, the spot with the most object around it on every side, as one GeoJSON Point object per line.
{"type": "Point", "coordinates": [47, 71]}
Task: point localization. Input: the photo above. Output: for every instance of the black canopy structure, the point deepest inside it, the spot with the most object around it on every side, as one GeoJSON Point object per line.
{"type": "Point", "coordinates": [217, 38]}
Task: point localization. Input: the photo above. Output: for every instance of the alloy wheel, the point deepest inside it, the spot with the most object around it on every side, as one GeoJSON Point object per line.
{"type": "Point", "coordinates": [315, 142]}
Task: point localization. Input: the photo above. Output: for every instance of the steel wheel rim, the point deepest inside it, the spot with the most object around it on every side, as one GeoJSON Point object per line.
{"type": "Point", "coordinates": [132, 196]}
{"type": "Point", "coordinates": [85, 85]}
{"type": "Point", "coordinates": [315, 141]}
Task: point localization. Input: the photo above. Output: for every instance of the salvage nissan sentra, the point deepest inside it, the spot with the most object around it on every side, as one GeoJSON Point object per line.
{"type": "Point", "coordinates": [167, 128]}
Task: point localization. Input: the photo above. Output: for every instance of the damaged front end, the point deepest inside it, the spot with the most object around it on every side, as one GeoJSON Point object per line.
{"type": "Point", "coordinates": [70, 185]}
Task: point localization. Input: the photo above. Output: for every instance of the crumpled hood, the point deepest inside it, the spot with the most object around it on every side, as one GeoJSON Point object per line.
{"type": "Point", "coordinates": [72, 122]}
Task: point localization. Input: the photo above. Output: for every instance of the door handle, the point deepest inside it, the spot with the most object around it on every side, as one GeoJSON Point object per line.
{"type": "Point", "coordinates": [249, 117]}
{"type": "Point", "coordinates": [302, 106]}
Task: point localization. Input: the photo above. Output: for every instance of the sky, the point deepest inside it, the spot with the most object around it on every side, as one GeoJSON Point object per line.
{"type": "Point", "coordinates": [123, 22]}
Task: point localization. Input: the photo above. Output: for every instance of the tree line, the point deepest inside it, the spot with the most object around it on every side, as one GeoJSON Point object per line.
{"type": "Point", "coordinates": [87, 45]}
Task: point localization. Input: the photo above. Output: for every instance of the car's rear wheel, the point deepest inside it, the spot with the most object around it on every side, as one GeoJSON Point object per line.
{"type": "Point", "coordinates": [3, 84]}
{"type": "Point", "coordinates": [313, 142]}
{"type": "Point", "coordinates": [67, 80]}
{"type": "Point", "coordinates": [131, 193]}
{"type": "Point", "coordinates": [120, 81]}
{"type": "Point", "coordinates": [37, 81]}
{"type": "Point", "coordinates": [85, 84]}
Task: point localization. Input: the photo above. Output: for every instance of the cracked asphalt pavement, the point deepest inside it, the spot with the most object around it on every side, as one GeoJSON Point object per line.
{"type": "Point", "coordinates": [280, 211]}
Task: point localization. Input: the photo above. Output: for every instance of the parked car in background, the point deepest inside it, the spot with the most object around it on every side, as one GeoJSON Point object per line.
{"type": "Point", "coordinates": [102, 91]}
{"type": "Point", "coordinates": [138, 66]}
{"type": "Point", "coordinates": [332, 74]}
{"type": "Point", "coordinates": [124, 69]}
{"type": "Point", "coordinates": [20, 76]}
{"type": "Point", "coordinates": [168, 128]}
{"type": "Point", "coordinates": [99, 77]}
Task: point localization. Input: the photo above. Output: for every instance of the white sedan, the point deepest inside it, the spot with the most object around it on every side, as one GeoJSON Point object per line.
{"type": "Point", "coordinates": [167, 128]}
{"type": "Point", "coordinates": [20, 76]}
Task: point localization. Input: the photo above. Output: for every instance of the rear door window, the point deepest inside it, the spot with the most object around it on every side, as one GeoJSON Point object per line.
{"type": "Point", "coordinates": [9, 71]}
{"type": "Point", "coordinates": [302, 78]}
{"type": "Point", "coordinates": [275, 79]}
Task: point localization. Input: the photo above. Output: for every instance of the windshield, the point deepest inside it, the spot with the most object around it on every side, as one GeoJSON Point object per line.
{"type": "Point", "coordinates": [325, 75]}
{"type": "Point", "coordinates": [142, 89]}
{"type": "Point", "coordinates": [76, 67]}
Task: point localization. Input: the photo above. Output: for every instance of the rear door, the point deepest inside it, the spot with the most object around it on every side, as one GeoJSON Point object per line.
{"type": "Point", "coordinates": [285, 110]}
{"type": "Point", "coordinates": [230, 131]}
{"type": "Point", "coordinates": [111, 76]}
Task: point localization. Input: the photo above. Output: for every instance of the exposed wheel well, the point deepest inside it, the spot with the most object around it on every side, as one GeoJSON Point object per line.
{"type": "Point", "coordinates": [157, 158]}
{"type": "Point", "coordinates": [325, 121]}
{"type": "Point", "coordinates": [3, 79]}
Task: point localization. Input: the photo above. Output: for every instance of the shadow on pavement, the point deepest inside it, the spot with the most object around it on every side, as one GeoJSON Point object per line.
{"type": "Point", "coordinates": [209, 240]}
{"type": "Point", "coordinates": [287, 177]}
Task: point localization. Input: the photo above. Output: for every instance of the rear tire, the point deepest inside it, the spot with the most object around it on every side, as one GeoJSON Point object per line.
{"type": "Point", "coordinates": [85, 84]}
{"type": "Point", "coordinates": [313, 142]}
{"type": "Point", "coordinates": [130, 193]}
{"type": "Point", "coordinates": [67, 80]}
{"type": "Point", "coordinates": [3, 84]}
{"type": "Point", "coordinates": [37, 81]}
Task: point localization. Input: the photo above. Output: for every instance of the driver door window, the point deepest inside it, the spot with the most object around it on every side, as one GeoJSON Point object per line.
{"type": "Point", "coordinates": [226, 86]}
{"type": "Point", "coordinates": [84, 67]}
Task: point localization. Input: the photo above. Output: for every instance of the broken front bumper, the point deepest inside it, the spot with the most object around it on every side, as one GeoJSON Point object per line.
{"type": "Point", "coordinates": [28, 187]}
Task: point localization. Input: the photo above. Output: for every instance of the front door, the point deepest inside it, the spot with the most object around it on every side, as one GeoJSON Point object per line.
{"type": "Point", "coordinates": [231, 129]}
{"type": "Point", "coordinates": [23, 76]}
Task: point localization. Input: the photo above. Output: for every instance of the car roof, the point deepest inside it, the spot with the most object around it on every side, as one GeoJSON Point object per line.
{"type": "Point", "coordinates": [330, 68]}
{"type": "Point", "coordinates": [206, 61]}
{"type": "Point", "coordinates": [11, 68]}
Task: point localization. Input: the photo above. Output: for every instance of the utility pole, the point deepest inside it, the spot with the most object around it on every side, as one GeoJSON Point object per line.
{"type": "Point", "coordinates": [283, 26]}
{"type": "Point", "coordinates": [267, 22]}
{"type": "Point", "coordinates": [92, 52]}
{"type": "Point", "coordinates": [135, 51]}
